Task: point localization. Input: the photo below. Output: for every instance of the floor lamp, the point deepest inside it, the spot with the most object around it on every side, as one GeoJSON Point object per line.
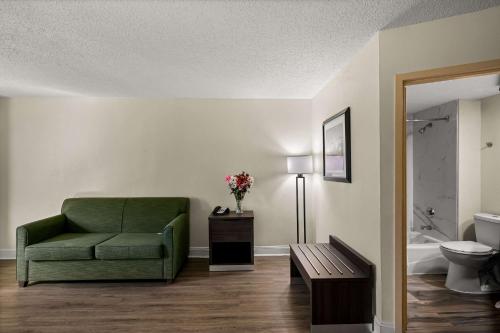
{"type": "Point", "coordinates": [300, 165]}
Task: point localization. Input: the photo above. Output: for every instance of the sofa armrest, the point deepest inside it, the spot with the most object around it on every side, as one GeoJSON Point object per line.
{"type": "Point", "coordinates": [176, 241]}
{"type": "Point", "coordinates": [37, 231]}
{"type": "Point", "coordinates": [32, 233]}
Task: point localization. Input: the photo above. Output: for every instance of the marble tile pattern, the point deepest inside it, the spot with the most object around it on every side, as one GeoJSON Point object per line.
{"type": "Point", "coordinates": [435, 172]}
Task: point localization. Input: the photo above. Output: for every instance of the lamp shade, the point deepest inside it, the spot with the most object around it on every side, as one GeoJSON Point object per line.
{"type": "Point", "coordinates": [300, 164]}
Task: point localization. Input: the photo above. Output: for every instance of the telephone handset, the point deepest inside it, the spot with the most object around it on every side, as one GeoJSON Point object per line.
{"type": "Point", "coordinates": [220, 210]}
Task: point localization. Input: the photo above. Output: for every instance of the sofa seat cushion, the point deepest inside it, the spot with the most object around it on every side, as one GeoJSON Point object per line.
{"type": "Point", "coordinates": [131, 246]}
{"type": "Point", "coordinates": [67, 246]}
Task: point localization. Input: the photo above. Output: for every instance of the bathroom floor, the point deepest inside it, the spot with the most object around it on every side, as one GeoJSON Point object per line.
{"type": "Point", "coordinates": [433, 308]}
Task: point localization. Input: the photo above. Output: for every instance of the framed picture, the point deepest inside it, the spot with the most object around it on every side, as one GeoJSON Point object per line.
{"type": "Point", "coordinates": [337, 147]}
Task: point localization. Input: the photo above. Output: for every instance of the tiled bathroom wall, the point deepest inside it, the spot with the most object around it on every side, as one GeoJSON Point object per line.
{"type": "Point", "coordinates": [435, 173]}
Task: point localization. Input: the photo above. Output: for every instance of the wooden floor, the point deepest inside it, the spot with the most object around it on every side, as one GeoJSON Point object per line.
{"type": "Point", "coordinates": [198, 301]}
{"type": "Point", "coordinates": [433, 308]}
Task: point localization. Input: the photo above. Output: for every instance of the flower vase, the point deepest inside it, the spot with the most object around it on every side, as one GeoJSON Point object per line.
{"type": "Point", "coordinates": [239, 199]}
{"type": "Point", "coordinates": [238, 207]}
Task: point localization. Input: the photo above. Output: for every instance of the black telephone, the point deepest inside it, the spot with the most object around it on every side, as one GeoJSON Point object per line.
{"type": "Point", "coordinates": [220, 210]}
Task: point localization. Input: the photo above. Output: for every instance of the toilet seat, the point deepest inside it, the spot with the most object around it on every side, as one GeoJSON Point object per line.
{"type": "Point", "coordinates": [467, 247]}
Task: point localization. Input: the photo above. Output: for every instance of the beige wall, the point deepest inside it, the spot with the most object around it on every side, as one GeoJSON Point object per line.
{"type": "Point", "coordinates": [490, 157]}
{"type": "Point", "coordinates": [4, 176]}
{"type": "Point", "coordinates": [469, 166]}
{"type": "Point", "coordinates": [351, 211]}
{"type": "Point", "coordinates": [54, 148]}
{"type": "Point", "coordinates": [457, 40]}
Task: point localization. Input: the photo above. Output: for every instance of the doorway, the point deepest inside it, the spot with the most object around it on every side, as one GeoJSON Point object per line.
{"type": "Point", "coordinates": [421, 222]}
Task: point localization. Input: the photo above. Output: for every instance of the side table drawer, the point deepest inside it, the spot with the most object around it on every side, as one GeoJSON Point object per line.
{"type": "Point", "coordinates": [231, 231]}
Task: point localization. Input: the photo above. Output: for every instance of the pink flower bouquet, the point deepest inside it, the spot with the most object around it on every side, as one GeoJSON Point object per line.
{"type": "Point", "coordinates": [239, 185]}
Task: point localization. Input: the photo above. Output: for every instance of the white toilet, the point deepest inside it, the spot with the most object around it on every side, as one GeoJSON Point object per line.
{"type": "Point", "coordinates": [467, 257]}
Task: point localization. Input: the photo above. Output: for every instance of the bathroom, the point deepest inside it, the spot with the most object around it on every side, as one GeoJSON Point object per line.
{"type": "Point", "coordinates": [452, 187]}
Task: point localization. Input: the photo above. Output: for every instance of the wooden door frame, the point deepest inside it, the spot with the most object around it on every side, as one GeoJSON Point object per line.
{"type": "Point", "coordinates": [403, 80]}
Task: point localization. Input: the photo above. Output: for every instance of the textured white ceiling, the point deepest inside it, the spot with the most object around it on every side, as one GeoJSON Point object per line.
{"type": "Point", "coordinates": [423, 96]}
{"type": "Point", "coordinates": [193, 49]}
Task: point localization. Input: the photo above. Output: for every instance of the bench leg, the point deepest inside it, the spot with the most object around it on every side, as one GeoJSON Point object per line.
{"type": "Point", "coordinates": [22, 284]}
{"type": "Point", "coordinates": [339, 303]}
{"type": "Point", "coordinates": [295, 277]}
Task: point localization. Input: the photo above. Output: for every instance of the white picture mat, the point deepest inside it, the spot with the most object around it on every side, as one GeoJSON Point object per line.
{"type": "Point", "coordinates": [335, 163]}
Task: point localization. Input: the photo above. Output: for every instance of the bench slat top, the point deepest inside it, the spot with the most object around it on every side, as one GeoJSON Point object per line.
{"type": "Point", "coordinates": [323, 261]}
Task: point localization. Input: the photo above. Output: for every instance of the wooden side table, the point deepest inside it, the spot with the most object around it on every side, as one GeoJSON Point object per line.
{"type": "Point", "coordinates": [231, 242]}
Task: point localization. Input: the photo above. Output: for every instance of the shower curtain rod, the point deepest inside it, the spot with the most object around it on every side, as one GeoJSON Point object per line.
{"type": "Point", "coordinates": [447, 118]}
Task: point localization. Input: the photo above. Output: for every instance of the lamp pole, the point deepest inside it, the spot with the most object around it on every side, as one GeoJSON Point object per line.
{"type": "Point", "coordinates": [300, 165]}
{"type": "Point", "coordinates": [303, 204]}
{"type": "Point", "coordinates": [297, 205]}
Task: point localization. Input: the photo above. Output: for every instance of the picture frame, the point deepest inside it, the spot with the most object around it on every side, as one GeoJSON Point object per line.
{"type": "Point", "coordinates": [337, 147]}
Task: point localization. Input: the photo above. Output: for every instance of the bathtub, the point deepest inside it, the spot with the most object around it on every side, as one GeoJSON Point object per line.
{"type": "Point", "coordinates": [424, 256]}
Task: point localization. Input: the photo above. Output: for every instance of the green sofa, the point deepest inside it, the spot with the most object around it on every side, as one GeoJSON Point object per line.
{"type": "Point", "coordinates": [106, 239]}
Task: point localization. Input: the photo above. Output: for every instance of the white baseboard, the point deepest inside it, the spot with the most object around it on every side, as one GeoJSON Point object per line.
{"type": "Point", "coordinates": [272, 250]}
{"type": "Point", "coordinates": [198, 252]}
{"type": "Point", "coordinates": [259, 251]}
{"type": "Point", "coordinates": [7, 254]}
{"type": "Point", "coordinates": [383, 326]}
{"type": "Point", "coordinates": [194, 252]}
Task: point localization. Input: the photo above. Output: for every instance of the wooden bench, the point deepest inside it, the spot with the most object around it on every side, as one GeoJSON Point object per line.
{"type": "Point", "coordinates": [341, 283]}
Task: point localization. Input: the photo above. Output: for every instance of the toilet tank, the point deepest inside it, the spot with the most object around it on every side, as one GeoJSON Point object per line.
{"type": "Point", "coordinates": [488, 229]}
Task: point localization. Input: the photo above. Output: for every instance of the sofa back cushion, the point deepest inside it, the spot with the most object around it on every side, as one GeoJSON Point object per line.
{"type": "Point", "coordinates": [93, 214]}
{"type": "Point", "coordinates": [151, 214]}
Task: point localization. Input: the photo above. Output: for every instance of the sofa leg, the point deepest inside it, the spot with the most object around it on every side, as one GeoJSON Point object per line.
{"type": "Point", "coordinates": [22, 284]}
